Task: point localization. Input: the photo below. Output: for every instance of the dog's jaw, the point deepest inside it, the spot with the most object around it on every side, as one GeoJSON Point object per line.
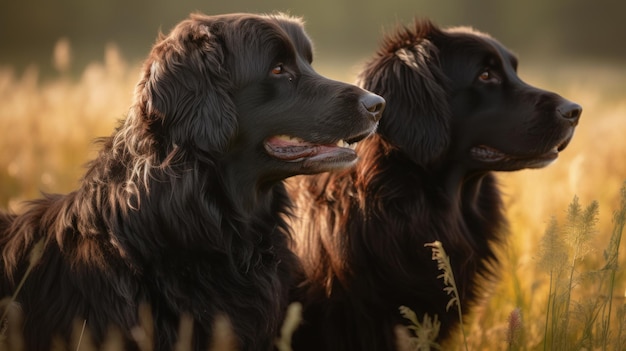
{"type": "Point", "coordinates": [315, 157]}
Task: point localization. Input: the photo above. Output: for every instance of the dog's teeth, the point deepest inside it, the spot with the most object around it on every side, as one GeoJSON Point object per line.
{"type": "Point", "coordinates": [289, 138]}
{"type": "Point", "coordinates": [487, 153]}
{"type": "Point", "coordinates": [344, 144]}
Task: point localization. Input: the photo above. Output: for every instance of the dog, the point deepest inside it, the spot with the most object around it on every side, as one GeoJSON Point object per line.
{"type": "Point", "coordinates": [182, 209]}
{"type": "Point", "coordinates": [456, 112]}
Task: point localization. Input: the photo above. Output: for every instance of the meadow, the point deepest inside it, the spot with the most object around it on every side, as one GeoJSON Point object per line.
{"type": "Point", "coordinates": [562, 283]}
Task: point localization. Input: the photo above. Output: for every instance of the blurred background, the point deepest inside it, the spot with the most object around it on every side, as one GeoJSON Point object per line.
{"type": "Point", "coordinates": [68, 69]}
{"type": "Point", "coordinates": [341, 29]}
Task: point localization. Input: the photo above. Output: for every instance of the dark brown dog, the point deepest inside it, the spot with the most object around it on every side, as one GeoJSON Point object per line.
{"type": "Point", "coordinates": [182, 209]}
{"type": "Point", "coordinates": [456, 112]}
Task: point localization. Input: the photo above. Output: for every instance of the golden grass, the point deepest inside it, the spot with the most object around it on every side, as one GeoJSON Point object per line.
{"type": "Point", "coordinates": [593, 168]}
{"type": "Point", "coordinates": [46, 131]}
{"type": "Point", "coordinates": [47, 128]}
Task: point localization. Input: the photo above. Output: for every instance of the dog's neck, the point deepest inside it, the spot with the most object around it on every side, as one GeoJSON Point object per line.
{"type": "Point", "coordinates": [449, 180]}
{"type": "Point", "coordinates": [243, 187]}
{"type": "Point", "coordinates": [471, 198]}
{"type": "Point", "coordinates": [461, 186]}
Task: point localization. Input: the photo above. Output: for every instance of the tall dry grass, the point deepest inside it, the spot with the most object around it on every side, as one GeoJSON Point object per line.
{"type": "Point", "coordinates": [592, 168]}
{"type": "Point", "coordinates": [46, 129]}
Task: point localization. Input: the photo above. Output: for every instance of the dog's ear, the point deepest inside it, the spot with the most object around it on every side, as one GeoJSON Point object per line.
{"type": "Point", "coordinates": [407, 73]}
{"type": "Point", "coordinates": [183, 95]}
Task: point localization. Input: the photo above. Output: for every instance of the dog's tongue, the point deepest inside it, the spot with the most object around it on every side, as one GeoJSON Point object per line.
{"type": "Point", "coordinates": [295, 149]}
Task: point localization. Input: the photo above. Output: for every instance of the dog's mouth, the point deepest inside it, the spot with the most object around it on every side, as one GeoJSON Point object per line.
{"type": "Point", "coordinates": [315, 156]}
{"type": "Point", "coordinates": [503, 161]}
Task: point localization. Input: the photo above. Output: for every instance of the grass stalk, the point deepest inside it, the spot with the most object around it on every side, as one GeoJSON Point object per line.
{"type": "Point", "coordinates": [546, 328]}
{"type": "Point", "coordinates": [292, 320]}
{"type": "Point", "coordinates": [35, 255]}
{"type": "Point", "coordinates": [443, 264]}
{"type": "Point", "coordinates": [612, 255]}
{"type": "Point", "coordinates": [424, 333]}
{"type": "Point", "coordinates": [553, 254]}
{"type": "Point", "coordinates": [580, 230]}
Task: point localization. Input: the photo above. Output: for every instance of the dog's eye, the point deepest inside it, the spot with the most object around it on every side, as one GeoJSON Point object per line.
{"type": "Point", "coordinates": [278, 69]}
{"type": "Point", "coordinates": [487, 77]}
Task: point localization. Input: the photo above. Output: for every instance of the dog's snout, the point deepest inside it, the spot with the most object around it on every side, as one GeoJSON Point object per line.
{"type": "Point", "coordinates": [570, 111]}
{"type": "Point", "coordinates": [374, 105]}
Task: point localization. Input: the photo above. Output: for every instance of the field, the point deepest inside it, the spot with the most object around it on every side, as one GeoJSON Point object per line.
{"type": "Point", "coordinates": [46, 129]}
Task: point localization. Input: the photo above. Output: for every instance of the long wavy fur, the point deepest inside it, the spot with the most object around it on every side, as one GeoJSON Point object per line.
{"type": "Point", "coordinates": [154, 221]}
{"type": "Point", "coordinates": [360, 233]}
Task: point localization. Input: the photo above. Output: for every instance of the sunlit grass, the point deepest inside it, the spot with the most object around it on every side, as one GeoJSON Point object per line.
{"type": "Point", "coordinates": [591, 168]}
{"type": "Point", "coordinates": [418, 335]}
{"type": "Point", "coordinates": [47, 126]}
{"type": "Point", "coordinates": [443, 265]}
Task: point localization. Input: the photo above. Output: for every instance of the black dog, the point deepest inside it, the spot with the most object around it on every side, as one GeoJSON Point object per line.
{"type": "Point", "coordinates": [182, 208]}
{"type": "Point", "coordinates": [456, 111]}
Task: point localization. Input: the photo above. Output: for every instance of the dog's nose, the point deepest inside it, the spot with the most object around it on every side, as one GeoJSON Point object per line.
{"type": "Point", "coordinates": [570, 111]}
{"type": "Point", "coordinates": [374, 105]}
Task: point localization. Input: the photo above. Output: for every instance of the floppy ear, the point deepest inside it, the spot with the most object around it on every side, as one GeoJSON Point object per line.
{"type": "Point", "coordinates": [416, 118]}
{"type": "Point", "coordinates": [184, 92]}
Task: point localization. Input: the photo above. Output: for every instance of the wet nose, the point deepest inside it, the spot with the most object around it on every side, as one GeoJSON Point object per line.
{"type": "Point", "coordinates": [374, 105]}
{"type": "Point", "coordinates": [570, 111]}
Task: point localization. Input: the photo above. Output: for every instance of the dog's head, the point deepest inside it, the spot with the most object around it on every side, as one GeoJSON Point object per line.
{"type": "Point", "coordinates": [241, 88]}
{"type": "Point", "coordinates": [454, 96]}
